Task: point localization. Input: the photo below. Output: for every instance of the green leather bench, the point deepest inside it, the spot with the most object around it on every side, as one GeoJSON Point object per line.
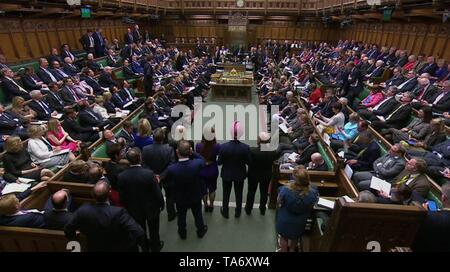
{"type": "Point", "coordinates": [325, 157]}
{"type": "Point", "coordinates": [2, 96]}
{"type": "Point", "coordinates": [120, 76]}
{"type": "Point", "coordinates": [34, 64]}
{"type": "Point", "coordinates": [362, 95]}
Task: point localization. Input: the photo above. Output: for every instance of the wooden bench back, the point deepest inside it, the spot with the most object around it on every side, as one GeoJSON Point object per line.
{"type": "Point", "coordinates": [353, 225]}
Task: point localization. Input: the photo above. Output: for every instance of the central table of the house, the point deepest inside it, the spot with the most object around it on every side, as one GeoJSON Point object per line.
{"type": "Point", "coordinates": [233, 84]}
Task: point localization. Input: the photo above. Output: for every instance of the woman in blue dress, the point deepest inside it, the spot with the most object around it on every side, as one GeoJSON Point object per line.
{"type": "Point", "coordinates": [209, 150]}
{"type": "Point", "coordinates": [295, 202]}
{"type": "Point", "coordinates": [143, 137]}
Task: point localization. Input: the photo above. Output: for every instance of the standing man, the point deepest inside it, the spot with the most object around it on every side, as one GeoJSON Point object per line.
{"type": "Point", "coordinates": [106, 227]}
{"type": "Point", "coordinates": [140, 194]}
{"type": "Point", "coordinates": [184, 181]}
{"type": "Point", "coordinates": [260, 172]}
{"type": "Point", "coordinates": [99, 43]}
{"type": "Point", "coordinates": [137, 37]}
{"type": "Point", "coordinates": [148, 77]}
{"type": "Point", "coordinates": [157, 157]}
{"type": "Point", "coordinates": [234, 156]}
{"type": "Point", "coordinates": [88, 43]}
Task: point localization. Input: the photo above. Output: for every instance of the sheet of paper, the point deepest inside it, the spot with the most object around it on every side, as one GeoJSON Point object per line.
{"type": "Point", "coordinates": [380, 185]}
{"type": "Point", "coordinates": [341, 154]}
{"type": "Point", "coordinates": [62, 151]}
{"type": "Point", "coordinates": [25, 180]}
{"type": "Point", "coordinates": [128, 104]}
{"type": "Point", "coordinates": [38, 122]}
{"type": "Point", "coordinates": [15, 188]}
{"type": "Point", "coordinates": [58, 116]}
{"type": "Point", "coordinates": [293, 156]}
{"type": "Point", "coordinates": [348, 199]}
{"type": "Point", "coordinates": [326, 139]}
{"type": "Point", "coordinates": [326, 203]}
{"type": "Point", "coordinates": [348, 171]}
{"type": "Point", "coordinates": [381, 118]}
{"type": "Point", "coordinates": [283, 127]}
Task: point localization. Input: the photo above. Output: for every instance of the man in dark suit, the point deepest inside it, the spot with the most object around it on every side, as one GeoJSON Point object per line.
{"type": "Point", "coordinates": [423, 93]}
{"type": "Point", "coordinates": [383, 108]}
{"type": "Point", "coordinates": [45, 74]}
{"type": "Point", "coordinates": [433, 234]}
{"type": "Point", "coordinates": [43, 110]}
{"type": "Point", "coordinates": [53, 98]}
{"type": "Point", "coordinates": [183, 178]}
{"type": "Point", "coordinates": [409, 83]}
{"type": "Point", "coordinates": [354, 85]}
{"type": "Point", "coordinates": [31, 81]}
{"type": "Point", "coordinates": [68, 94]}
{"type": "Point", "coordinates": [106, 227]}
{"type": "Point", "coordinates": [129, 39]}
{"type": "Point", "coordinates": [441, 101]}
{"type": "Point", "coordinates": [105, 79]}
{"type": "Point", "coordinates": [260, 172]}
{"type": "Point", "coordinates": [234, 156]}
{"type": "Point", "coordinates": [69, 68]}
{"type": "Point", "coordinates": [137, 37]}
{"type": "Point", "coordinates": [397, 118]}
{"type": "Point", "coordinates": [127, 135]}
{"type": "Point", "coordinates": [148, 77]}
{"type": "Point", "coordinates": [11, 214]}
{"type": "Point", "coordinates": [395, 80]}
{"type": "Point", "coordinates": [157, 157]}
{"type": "Point", "coordinates": [58, 72]}
{"type": "Point", "coordinates": [11, 124]}
{"type": "Point", "coordinates": [87, 41]}
{"type": "Point", "coordinates": [88, 77]}
{"type": "Point", "coordinates": [363, 161]}
{"type": "Point", "coordinates": [77, 132]}
{"type": "Point", "coordinates": [11, 87]}
{"type": "Point", "coordinates": [429, 67]}
{"type": "Point", "coordinates": [57, 210]}
{"type": "Point", "coordinates": [99, 43]}
{"type": "Point", "coordinates": [65, 52]}
{"type": "Point", "coordinates": [89, 118]}
{"type": "Point", "coordinates": [140, 194]}
{"type": "Point", "coordinates": [111, 59]}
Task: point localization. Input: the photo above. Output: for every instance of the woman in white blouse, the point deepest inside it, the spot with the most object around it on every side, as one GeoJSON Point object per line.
{"type": "Point", "coordinates": [335, 123]}
{"type": "Point", "coordinates": [42, 152]}
{"type": "Point", "coordinates": [99, 109]}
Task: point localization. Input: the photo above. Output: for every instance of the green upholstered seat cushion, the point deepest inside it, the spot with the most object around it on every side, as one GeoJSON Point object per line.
{"type": "Point", "coordinates": [437, 199]}
{"type": "Point", "coordinates": [2, 96]}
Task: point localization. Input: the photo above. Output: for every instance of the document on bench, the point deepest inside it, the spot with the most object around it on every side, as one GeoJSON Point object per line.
{"type": "Point", "coordinates": [348, 199]}
{"type": "Point", "coordinates": [381, 118]}
{"type": "Point", "coordinates": [293, 156]}
{"type": "Point", "coordinates": [60, 152]}
{"type": "Point", "coordinates": [341, 154]}
{"type": "Point", "coordinates": [15, 188]}
{"type": "Point", "coordinates": [380, 185]}
{"type": "Point", "coordinates": [325, 203]}
{"type": "Point", "coordinates": [348, 171]}
{"type": "Point", "coordinates": [128, 104]}
{"type": "Point", "coordinates": [58, 116]}
{"type": "Point", "coordinates": [38, 122]}
{"type": "Point", "coordinates": [326, 139]}
{"type": "Point", "coordinates": [163, 117]}
{"type": "Point", "coordinates": [283, 127]}
{"type": "Point", "coordinates": [26, 180]}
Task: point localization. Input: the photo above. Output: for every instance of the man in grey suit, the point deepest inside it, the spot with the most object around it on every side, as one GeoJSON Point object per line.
{"type": "Point", "coordinates": [386, 167]}
{"type": "Point", "coordinates": [157, 157]}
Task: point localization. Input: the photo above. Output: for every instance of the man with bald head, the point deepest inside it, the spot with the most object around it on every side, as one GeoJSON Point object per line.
{"type": "Point", "coordinates": [317, 163]}
{"type": "Point", "coordinates": [57, 210]}
{"type": "Point", "coordinates": [107, 228]}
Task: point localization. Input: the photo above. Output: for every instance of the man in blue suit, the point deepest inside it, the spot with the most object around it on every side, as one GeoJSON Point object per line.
{"type": "Point", "coordinates": [106, 227]}
{"type": "Point", "coordinates": [183, 178]}
{"type": "Point", "coordinates": [433, 235]}
{"type": "Point", "coordinates": [233, 156]}
{"type": "Point", "coordinates": [11, 214]}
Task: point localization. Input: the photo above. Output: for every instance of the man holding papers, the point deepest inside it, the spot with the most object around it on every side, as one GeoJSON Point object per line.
{"type": "Point", "coordinates": [385, 168]}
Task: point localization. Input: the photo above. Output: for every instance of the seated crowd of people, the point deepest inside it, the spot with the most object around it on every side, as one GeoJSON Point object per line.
{"type": "Point", "coordinates": [74, 106]}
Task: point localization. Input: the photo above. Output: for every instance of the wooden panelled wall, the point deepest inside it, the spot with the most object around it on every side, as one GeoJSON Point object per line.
{"type": "Point", "coordinates": [32, 38]}
{"type": "Point", "coordinates": [431, 39]}
{"type": "Point", "coordinates": [256, 33]}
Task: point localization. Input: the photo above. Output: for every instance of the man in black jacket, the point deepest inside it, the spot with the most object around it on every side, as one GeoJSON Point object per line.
{"type": "Point", "coordinates": [77, 132]}
{"type": "Point", "coordinates": [11, 87]}
{"type": "Point", "coordinates": [140, 194]}
{"type": "Point", "coordinates": [57, 210]}
{"type": "Point", "coordinates": [54, 99]}
{"type": "Point", "coordinates": [260, 172]}
{"type": "Point", "coordinates": [105, 79]}
{"type": "Point", "coordinates": [106, 227]}
{"type": "Point", "coordinates": [157, 157]}
{"type": "Point", "coordinates": [399, 117]}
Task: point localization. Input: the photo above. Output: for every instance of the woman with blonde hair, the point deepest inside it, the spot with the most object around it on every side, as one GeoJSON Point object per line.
{"type": "Point", "coordinates": [42, 152]}
{"type": "Point", "coordinates": [295, 202]}
{"type": "Point", "coordinates": [143, 136]}
{"type": "Point", "coordinates": [99, 108]}
{"type": "Point", "coordinates": [57, 136]}
{"type": "Point", "coordinates": [19, 108]}
{"type": "Point", "coordinates": [18, 163]}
